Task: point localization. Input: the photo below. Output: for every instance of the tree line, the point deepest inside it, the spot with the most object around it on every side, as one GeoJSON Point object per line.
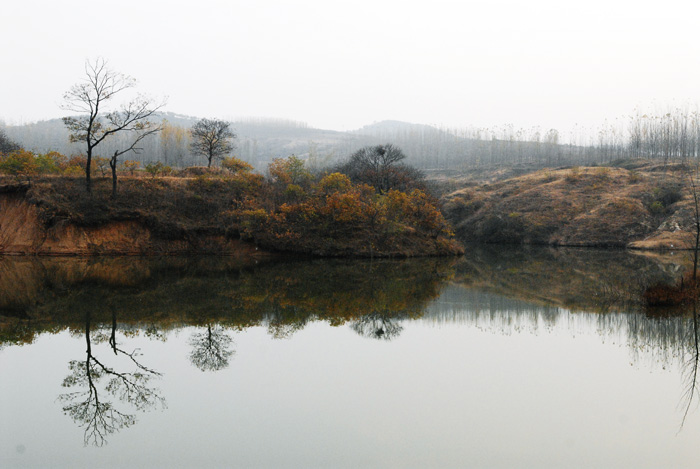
{"type": "Point", "coordinates": [149, 137]}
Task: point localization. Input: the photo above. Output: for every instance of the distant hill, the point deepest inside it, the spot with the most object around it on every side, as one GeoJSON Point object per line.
{"type": "Point", "coordinates": [259, 141]}
{"type": "Point", "coordinates": [393, 127]}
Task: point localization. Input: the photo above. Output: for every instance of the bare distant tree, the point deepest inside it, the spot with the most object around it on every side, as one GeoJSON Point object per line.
{"type": "Point", "coordinates": [380, 166]}
{"type": "Point", "coordinates": [211, 138]}
{"type": "Point", "coordinates": [95, 122]}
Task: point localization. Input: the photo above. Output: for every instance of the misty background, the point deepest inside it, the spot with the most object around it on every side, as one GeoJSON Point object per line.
{"type": "Point", "coordinates": [454, 83]}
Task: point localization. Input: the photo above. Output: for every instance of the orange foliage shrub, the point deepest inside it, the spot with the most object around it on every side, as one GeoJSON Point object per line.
{"type": "Point", "coordinates": [236, 165]}
{"type": "Point", "coordinates": [341, 217]}
{"type": "Point", "coordinates": [19, 163]}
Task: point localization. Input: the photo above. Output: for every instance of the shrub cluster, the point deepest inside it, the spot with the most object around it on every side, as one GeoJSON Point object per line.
{"type": "Point", "coordinates": [290, 210]}
{"type": "Point", "coordinates": [336, 216]}
{"type": "Point", "coordinates": [24, 164]}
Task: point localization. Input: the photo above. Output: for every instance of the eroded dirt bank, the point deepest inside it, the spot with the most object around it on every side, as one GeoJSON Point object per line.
{"type": "Point", "coordinates": [22, 232]}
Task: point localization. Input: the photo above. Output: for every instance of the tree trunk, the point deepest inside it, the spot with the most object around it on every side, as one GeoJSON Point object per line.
{"type": "Point", "coordinates": [113, 166]}
{"type": "Point", "coordinates": [88, 181]}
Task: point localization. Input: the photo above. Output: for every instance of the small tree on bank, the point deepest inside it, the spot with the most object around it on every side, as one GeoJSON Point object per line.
{"type": "Point", "coordinates": [95, 123]}
{"type": "Point", "coordinates": [381, 167]}
{"type": "Point", "coordinates": [211, 138]}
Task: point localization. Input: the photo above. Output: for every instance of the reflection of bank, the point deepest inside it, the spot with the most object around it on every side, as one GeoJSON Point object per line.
{"type": "Point", "coordinates": [172, 292]}
{"type": "Point", "coordinates": [91, 381]}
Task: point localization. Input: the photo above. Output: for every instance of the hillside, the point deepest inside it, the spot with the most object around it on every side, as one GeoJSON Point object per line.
{"type": "Point", "coordinates": [646, 208]}
{"type": "Point", "coordinates": [259, 141]}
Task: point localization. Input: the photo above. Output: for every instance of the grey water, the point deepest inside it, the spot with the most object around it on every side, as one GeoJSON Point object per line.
{"type": "Point", "coordinates": [522, 358]}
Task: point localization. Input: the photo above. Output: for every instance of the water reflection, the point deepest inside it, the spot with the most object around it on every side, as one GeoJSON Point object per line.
{"type": "Point", "coordinates": [211, 349]}
{"type": "Point", "coordinates": [378, 325]}
{"type": "Point", "coordinates": [505, 292]}
{"type": "Point", "coordinates": [690, 370]}
{"type": "Point", "coordinates": [576, 279]}
{"type": "Point", "coordinates": [90, 380]}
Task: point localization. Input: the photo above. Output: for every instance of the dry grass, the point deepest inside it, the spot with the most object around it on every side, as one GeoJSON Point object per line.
{"type": "Point", "coordinates": [581, 206]}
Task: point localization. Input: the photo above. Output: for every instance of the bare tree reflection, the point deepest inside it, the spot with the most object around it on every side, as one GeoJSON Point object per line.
{"type": "Point", "coordinates": [691, 366]}
{"type": "Point", "coordinates": [210, 349]}
{"type": "Point", "coordinates": [377, 325]}
{"type": "Point", "coordinates": [97, 416]}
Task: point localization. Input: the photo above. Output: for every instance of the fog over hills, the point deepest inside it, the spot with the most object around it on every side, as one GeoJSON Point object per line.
{"type": "Point", "coordinates": [258, 141]}
{"type": "Point", "coordinates": [427, 147]}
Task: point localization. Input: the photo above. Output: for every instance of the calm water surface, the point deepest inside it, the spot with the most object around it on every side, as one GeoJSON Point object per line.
{"type": "Point", "coordinates": [533, 358]}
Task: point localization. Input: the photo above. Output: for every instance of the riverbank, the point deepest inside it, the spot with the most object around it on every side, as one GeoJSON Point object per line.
{"type": "Point", "coordinates": [220, 214]}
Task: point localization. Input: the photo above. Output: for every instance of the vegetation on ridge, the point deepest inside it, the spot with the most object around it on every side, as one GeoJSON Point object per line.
{"type": "Point", "coordinates": [292, 210]}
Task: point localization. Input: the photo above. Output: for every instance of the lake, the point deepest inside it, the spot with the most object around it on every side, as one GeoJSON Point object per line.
{"type": "Point", "coordinates": [504, 358]}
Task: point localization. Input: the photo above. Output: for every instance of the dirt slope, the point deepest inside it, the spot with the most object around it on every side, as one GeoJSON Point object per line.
{"type": "Point", "coordinates": [647, 208]}
{"type": "Point", "coordinates": [22, 232]}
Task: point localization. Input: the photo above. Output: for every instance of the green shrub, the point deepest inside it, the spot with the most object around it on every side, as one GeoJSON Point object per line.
{"type": "Point", "coordinates": [235, 165]}
{"type": "Point", "coordinates": [668, 193]}
{"type": "Point", "coordinates": [634, 177]}
{"type": "Point", "coordinates": [574, 175]}
{"type": "Point", "coordinates": [656, 207]}
{"type": "Point", "coordinates": [50, 163]}
{"type": "Point", "coordinates": [19, 163]}
{"type": "Point", "coordinates": [154, 169]}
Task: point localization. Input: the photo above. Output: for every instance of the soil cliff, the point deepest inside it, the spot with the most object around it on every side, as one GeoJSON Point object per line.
{"type": "Point", "coordinates": [23, 232]}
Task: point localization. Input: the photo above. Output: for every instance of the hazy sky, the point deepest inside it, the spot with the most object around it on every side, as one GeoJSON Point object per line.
{"type": "Point", "coordinates": [344, 64]}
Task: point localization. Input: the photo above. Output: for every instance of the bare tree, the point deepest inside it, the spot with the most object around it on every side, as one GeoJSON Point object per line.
{"type": "Point", "coordinates": [380, 167]}
{"type": "Point", "coordinates": [95, 122]}
{"type": "Point", "coordinates": [211, 138]}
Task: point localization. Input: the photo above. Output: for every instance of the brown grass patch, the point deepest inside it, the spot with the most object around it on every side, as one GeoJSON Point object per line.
{"type": "Point", "coordinates": [581, 206]}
